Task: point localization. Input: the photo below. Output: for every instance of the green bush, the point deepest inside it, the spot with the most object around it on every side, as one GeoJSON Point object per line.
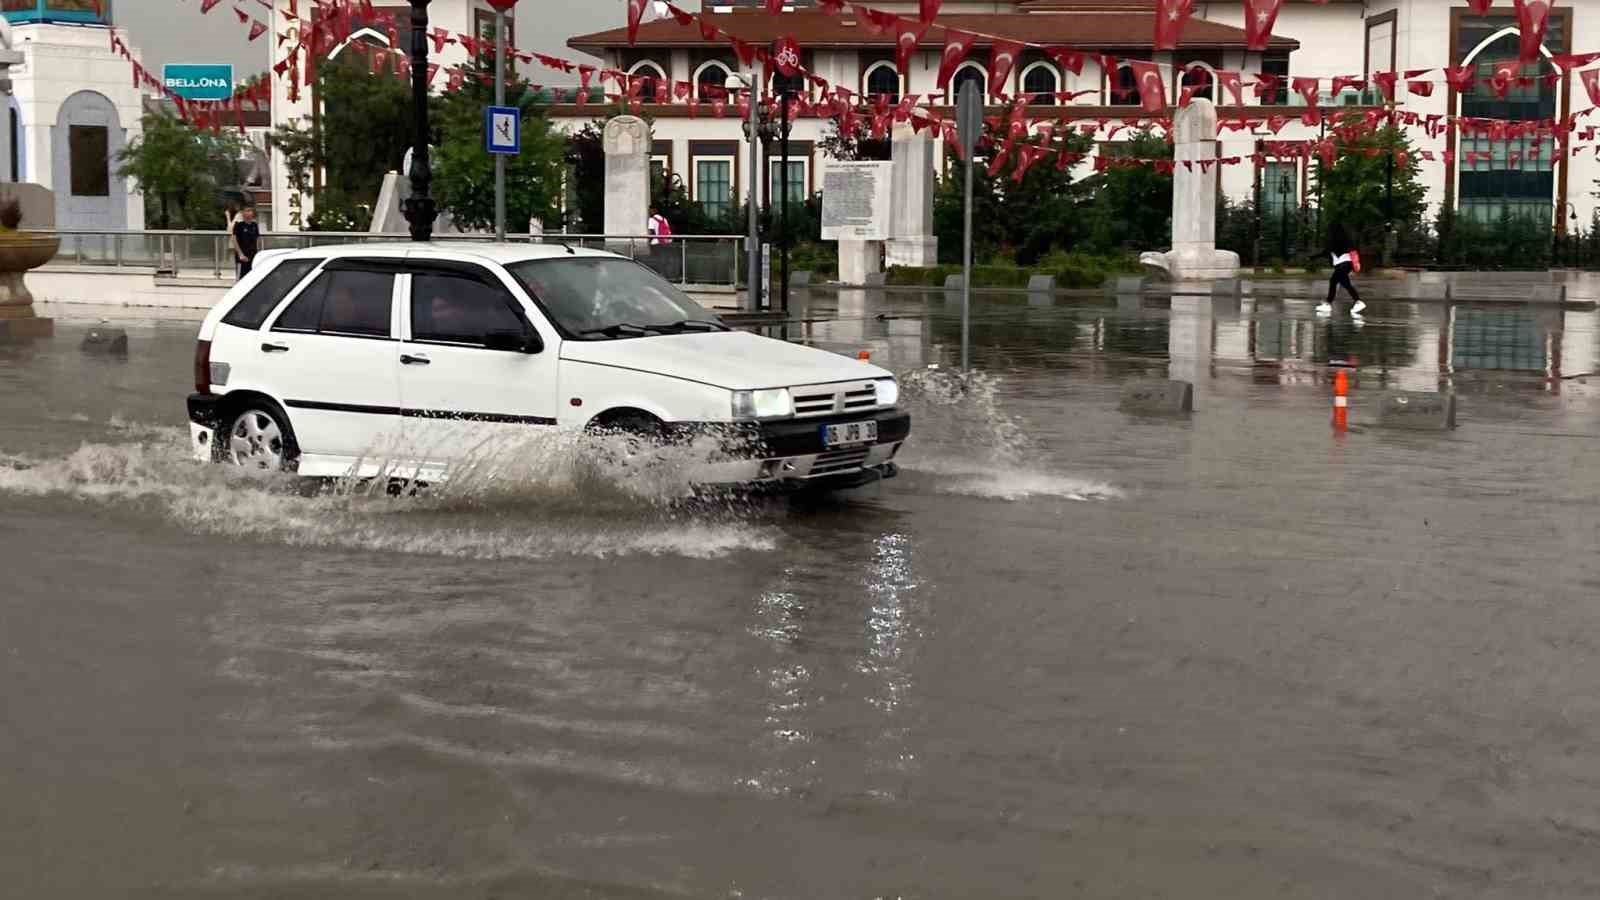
{"type": "Point", "coordinates": [1071, 270]}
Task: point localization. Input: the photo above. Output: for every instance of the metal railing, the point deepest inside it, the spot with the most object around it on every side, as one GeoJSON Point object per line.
{"type": "Point", "coordinates": [703, 260]}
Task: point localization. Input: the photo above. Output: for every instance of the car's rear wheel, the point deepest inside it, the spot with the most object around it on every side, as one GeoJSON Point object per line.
{"type": "Point", "coordinates": [259, 438]}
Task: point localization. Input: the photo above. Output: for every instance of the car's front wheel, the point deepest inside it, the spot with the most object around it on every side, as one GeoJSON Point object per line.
{"type": "Point", "coordinates": [258, 438]}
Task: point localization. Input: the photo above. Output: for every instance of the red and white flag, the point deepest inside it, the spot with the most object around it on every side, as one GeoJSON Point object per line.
{"type": "Point", "coordinates": [907, 37]}
{"type": "Point", "coordinates": [956, 45]}
{"type": "Point", "coordinates": [1171, 15]}
{"type": "Point", "coordinates": [1230, 82]}
{"type": "Point", "coordinates": [1259, 16]}
{"type": "Point", "coordinates": [257, 29]}
{"type": "Point", "coordinates": [1002, 60]}
{"type": "Point", "coordinates": [1386, 82]}
{"type": "Point", "coordinates": [1505, 76]}
{"type": "Point", "coordinates": [1070, 60]}
{"type": "Point", "coordinates": [1533, 17]}
{"type": "Point", "coordinates": [1420, 88]}
{"type": "Point", "coordinates": [930, 9]}
{"type": "Point", "coordinates": [774, 7]}
{"type": "Point", "coordinates": [1591, 83]}
{"type": "Point", "coordinates": [1460, 77]}
{"type": "Point", "coordinates": [1480, 7]}
{"type": "Point", "coordinates": [1307, 88]}
{"type": "Point", "coordinates": [635, 13]}
{"type": "Point", "coordinates": [1152, 90]}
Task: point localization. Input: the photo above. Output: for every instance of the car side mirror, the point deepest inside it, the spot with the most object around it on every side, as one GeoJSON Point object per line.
{"type": "Point", "coordinates": [513, 341]}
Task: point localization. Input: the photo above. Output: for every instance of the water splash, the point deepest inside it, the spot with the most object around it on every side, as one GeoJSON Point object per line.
{"type": "Point", "coordinates": [962, 433]}
{"type": "Point", "coordinates": [526, 499]}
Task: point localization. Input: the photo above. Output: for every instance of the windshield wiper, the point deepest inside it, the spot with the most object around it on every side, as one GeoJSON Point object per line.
{"type": "Point", "coordinates": [619, 329]}
{"type": "Point", "coordinates": [692, 325]}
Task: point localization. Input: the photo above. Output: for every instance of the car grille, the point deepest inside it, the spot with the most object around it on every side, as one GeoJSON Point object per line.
{"type": "Point", "coordinates": [832, 399]}
{"type": "Point", "coordinates": [839, 461]}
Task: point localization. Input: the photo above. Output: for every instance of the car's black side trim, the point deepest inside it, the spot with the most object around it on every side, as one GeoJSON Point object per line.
{"type": "Point", "coordinates": [450, 414]}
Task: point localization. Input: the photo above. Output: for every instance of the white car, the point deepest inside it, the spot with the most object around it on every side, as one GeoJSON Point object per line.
{"type": "Point", "coordinates": [361, 359]}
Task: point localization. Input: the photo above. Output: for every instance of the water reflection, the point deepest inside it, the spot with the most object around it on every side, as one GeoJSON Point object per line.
{"type": "Point", "coordinates": [1411, 346]}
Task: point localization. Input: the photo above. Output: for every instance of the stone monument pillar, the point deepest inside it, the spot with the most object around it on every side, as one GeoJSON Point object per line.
{"type": "Point", "coordinates": [1194, 255]}
{"type": "Point", "coordinates": [911, 238]}
{"type": "Point", "coordinates": [627, 146]}
{"type": "Point", "coordinates": [19, 251]}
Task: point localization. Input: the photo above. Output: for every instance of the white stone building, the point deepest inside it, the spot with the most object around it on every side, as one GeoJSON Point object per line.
{"type": "Point", "coordinates": [1340, 38]}
{"type": "Point", "coordinates": [73, 108]}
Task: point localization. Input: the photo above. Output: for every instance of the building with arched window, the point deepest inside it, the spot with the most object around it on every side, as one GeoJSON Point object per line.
{"type": "Point", "coordinates": [73, 108]}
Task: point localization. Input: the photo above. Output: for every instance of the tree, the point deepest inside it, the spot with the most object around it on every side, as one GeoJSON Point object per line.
{"type": "Point", "coordinates": [586, 163]}
{"type": "Point", "coordinates": [186, 169]}
{"type": "Point", "coordinates": [1132, 206]}
{"type": "Point", "coordinates": [1353, 188]}
{"type": "Point", "coordinates": [464, 170]}
{"type": "Point", "coordinates": [1025, 220]}
{"type": "Point", "coordinates": [856, 144]}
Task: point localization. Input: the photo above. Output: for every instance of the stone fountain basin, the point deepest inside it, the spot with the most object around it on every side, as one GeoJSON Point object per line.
{"type": "Point", "coordinates": [20, 252]}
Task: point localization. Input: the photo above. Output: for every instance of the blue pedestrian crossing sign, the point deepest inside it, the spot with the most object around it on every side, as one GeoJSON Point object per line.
{"type": "Point", "coordinates": [502, 129]}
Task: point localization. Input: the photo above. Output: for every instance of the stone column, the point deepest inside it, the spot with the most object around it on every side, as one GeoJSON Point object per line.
{"type": "Point", "coordinates": [911, 241]}
{"type": "Point", "coordinates": [858, 259]}
{"type": "Point", "coordinates": [627, 147]}
{"type": "Point", "coordinates": [1194, 255]}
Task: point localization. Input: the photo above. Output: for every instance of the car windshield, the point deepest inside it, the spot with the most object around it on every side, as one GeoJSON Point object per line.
{"type": "Point", "coordinates": [601, 298]}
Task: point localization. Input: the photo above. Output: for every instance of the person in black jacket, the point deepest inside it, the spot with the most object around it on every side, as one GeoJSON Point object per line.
{"type": "Point", "coordinates": [1339, 247]}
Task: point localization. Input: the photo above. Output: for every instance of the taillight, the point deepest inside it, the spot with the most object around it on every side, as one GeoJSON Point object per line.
{"type": "Point", "coordinates": [202, 367]}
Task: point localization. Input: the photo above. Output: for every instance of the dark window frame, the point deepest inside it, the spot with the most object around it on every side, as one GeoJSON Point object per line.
{"type": "Point", "coordinates": [390, 267]}
{"type": "Point", "coordinates": [465, 272]}
{"type": "Point", "coordinates": [95, 179]}
{"type": "Point", "coordinates": [243, 316]}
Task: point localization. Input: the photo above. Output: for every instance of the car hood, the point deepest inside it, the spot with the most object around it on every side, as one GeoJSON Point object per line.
{"type": "Point", "coordinates": [737, 360]}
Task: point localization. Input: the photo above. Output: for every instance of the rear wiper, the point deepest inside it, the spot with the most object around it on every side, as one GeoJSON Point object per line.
{"type": "Point", "coordinates": [691, 325]}
{"type": "Point", "coordinates": [619, 329]}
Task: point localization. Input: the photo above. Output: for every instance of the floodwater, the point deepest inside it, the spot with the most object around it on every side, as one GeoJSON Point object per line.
{"type": "Point", "coordinates": [1068, 653]}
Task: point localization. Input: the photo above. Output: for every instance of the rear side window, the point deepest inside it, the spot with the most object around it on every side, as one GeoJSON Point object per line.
{"type": "Point", "coordinates": [460, 310]}
{"type": "Point", "coordinates": [265, 296]}
{"type": "Point", "coordinates": [344, 301]}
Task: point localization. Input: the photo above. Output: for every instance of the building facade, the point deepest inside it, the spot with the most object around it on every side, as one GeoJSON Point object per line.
{"type": "Point", "coordinates": [73, 108]}
{"type": "Point", "coordinates": [1338, 38]}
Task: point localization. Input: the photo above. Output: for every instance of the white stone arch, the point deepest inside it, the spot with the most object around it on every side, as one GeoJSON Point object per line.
{"type": "Point", "coordinates": [880, 65]}
{"type": "Point", "coordinates": [701, 69]}
{"type": "Point", "coordinates": [94, 110]}
{"type": "Point", "coordinates": [663, 87]}
{"type": "Point", "coordinates": [1045, 66]}
{"type": "Point", "coordinates": [377, 37]}
{"type": "Point", "coordinates": [955, 79]}
{"type": "Point", "coordinates": [1211, 78]}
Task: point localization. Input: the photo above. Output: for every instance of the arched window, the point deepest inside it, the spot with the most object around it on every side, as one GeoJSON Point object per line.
{"type": "Point", "coordinates": [1041, 81]}
{"type": "Point", "coordinates": [883, 81]}
{"type": "Point", "coordinates": [969, 72]}
{"type": "Point", "coordinates": [1513, 175]}
{"type": "Point", "coordinates": [713, 75]}
{"type": "Point", "coordinates": [655, 88]}
{"type": "Point", "coordinates": [1123, 87]}
{"type": "Point", "coordinates": [1200, 81]}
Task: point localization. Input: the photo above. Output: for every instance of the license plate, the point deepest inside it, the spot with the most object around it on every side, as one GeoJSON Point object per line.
{"type": "Point", "coordinates": [849, 433]}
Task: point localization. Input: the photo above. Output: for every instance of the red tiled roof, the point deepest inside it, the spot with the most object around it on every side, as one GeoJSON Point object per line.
{"type": "Point", "coordinates": [1090, 30]}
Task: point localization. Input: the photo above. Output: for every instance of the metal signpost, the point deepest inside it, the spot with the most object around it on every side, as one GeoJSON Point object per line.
{"type": "Point", "coordinates": [502, 130]}
{"type": "Point", "coordinates": [198, 82]}
{"type": "Point", "coordinates": [969, 125]}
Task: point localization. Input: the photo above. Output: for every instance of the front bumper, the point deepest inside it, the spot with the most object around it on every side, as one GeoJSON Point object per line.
{"type": "Point", "coordinates": [791, 454]}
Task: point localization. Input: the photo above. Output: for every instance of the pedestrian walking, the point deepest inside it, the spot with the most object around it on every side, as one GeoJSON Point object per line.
{"type": "Point", "coordinates": [1345, 259]}
{"type": "Point", "coordinates": [660, 231]}
{"type": "Point", "coordinates": [246, 240]}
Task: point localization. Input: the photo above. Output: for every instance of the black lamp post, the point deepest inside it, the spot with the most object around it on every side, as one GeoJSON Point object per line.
{"type": "Point", "coordinates": [1283, 217]}
{"type": "Point", "coordinates": [420, 209]}
{"type": "Point", "coordinates": [769, 130]}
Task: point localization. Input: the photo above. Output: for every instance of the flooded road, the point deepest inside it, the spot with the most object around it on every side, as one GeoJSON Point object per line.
{"type": "Point", "coordinates": [1068, 653]}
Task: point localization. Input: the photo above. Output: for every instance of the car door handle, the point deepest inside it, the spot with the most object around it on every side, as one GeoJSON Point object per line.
{"type": "Point", "coordinates": [409, 360]}
{"type": "Point", "coordinates": [274, 348]}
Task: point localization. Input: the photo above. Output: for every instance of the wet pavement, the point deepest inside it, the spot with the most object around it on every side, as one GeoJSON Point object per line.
{"type": "Point", "coordinates": [1068, 653]}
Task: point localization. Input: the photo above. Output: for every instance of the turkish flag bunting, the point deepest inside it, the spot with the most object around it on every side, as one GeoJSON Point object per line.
{"type": "Point", "coordinates": [774, 7]}
{"type": "Point", "coordinates": [1070, 60]}
{"type": "Point", "coordinates": [635, 13]}
{"type": "Point", "coordinates": [831, 7]}
{"type": "Point", "coordinates": [1340, 82]}
{"type": "Point", "coordinates": [257, 29]}
{"type": "Point", "coordinates": [1003, 57]}
{"type": "Point", "coordinates": [1311, 118]}
{"type": "Point", "coordinates": [1230, 82]}
{"type": "Point", "coordinates": [929, 9]}
{"type": "Point", "coordinates": [1533, 16]}
{"type": "Point", "coordinates": [1459, 77]}
{"type": "Point", "coordinates": [1505, 75]}
{"type": "Point", "coordinates": [441, 37]}
{"type": "Point", "coordinates": [1307, 88]}
{"type": "Point", "coordinates": [1480, 7]}
{"type": "Point", "coordinates": [709, 31]}
{"type": "Point", "coordinates": [1591, 83]}
{"type": "Point", "coordinates": [1152, 90]}
{"type": "Point", "coordinates": [380, 62]}
{"type": "Point", "coordinates": [433, 72]}
{"type": "Point", "coordinates": [1027, 155]}
{"type": "Point", "coordinates": [243, 16]}
{"type": "Point", "coordinates": [745, 52]}
{"type": "Point", "coordinates": [1259, 15]}
{"type": "Point", "coordinates": [1267, 87]}
{"type": "Point", "coordinates": [1566, 62]}
{"type": "Point", "coordinates": [878, 22]}
{"type": "Point", "coordinates": [906, 40]}
{"type": "Point", "coordinates": [1420, 88]}
{"type": "Point", "coordinates": [1171, 15]}
{"type": "Point", "coordinates": [1386, 82]}
{"type": "Point", "coordinates": [208, 5]}
{"type": "Point", "coordinates": [956, 45]}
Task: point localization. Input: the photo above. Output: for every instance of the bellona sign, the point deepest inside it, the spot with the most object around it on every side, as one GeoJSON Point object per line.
{"type": "Point", "coordinates": [199, 82]}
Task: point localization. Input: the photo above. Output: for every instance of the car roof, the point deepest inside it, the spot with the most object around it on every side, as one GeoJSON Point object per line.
{"type": "Point", "coordinates": [464, 251]}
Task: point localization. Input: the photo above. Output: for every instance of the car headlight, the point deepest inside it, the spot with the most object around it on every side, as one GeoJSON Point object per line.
{"type": "Point", "coordinates": [768, 404]}
{"type": "Point", "coordinates": [888, 392]}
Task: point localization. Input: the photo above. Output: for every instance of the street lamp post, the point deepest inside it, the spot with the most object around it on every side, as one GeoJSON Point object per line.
{"type": "Point", "coordinates": [784, 127]}
{"type": "Point", "coordinates": [1283, 217]}
{"type": "Point", "coordinates": [752, 133]}
{"type": "Point", "coordinates": [420, 208]}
